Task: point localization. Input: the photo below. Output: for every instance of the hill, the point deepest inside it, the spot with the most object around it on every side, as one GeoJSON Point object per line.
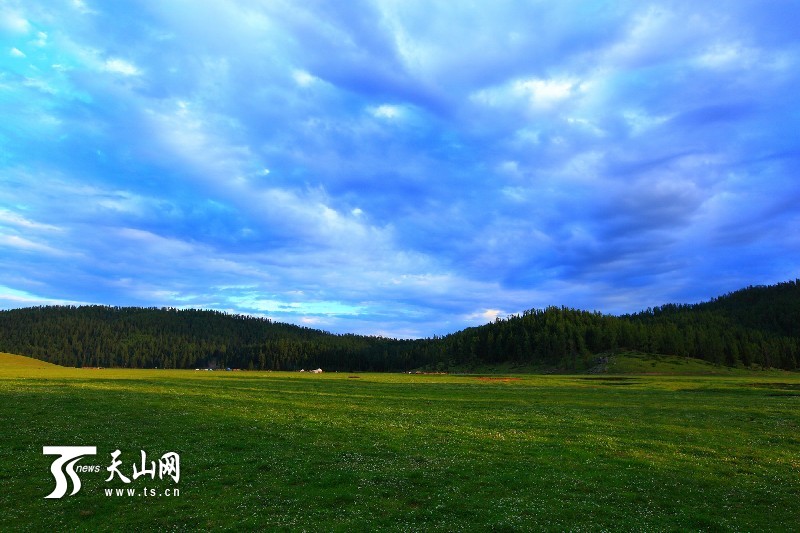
{"type": "Point", "coordinates": [756, 326]}
{"type": "Point", "coordinates": [8, 360]}
{"type": "Point", "coordinates": [169, 338]}
{"type": "Point", "coordinates": [752, 326]}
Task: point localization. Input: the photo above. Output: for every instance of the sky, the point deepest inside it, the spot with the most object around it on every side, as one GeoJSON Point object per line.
{"type": "Point", "coordinates": [401, 168]}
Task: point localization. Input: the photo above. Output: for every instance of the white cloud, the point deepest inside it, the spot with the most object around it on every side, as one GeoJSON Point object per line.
{"type": "Point", "coordinates": [510, 169]}
{"type": "Point", "coordinates": [15, 298]}
{"type": "Point", "coordinates": [255, 301]}
{"type": "Point", "coordinates": [16, 52]}
{"type": "Point", "coordinates": [40, 85]}
{"type": "Point", "coordinates": [640, 121]}
{"type": "Point", "coordinates": [487, 315]}
{"type": "Point", "coordinates": [538, 93]}
{"type": "Point", "coordinates": [41, 39]}
{"type": "Point", "coordinates": [213, 160]}
{"type": "Point", "coordinates": [13, 22]}
{"type": "Point", "coordinates": [10, 218]}
{"type": "Point", "coordinates": [81, 7]}
{"type": "Point", "coordinates": [728, 55]}
{"type": "Point", "coordinates": [464, 213]}
{"type": "Point", "coordinates": [545, 93]}
{"type": "Point", "coordinates": [15, 241]}
{"type": "Point", "coordinates": [303, 78]}
{"type": "Point", "coordinates": [120, 66]}
{"type": "Point", "coordinates": [652, 35]}
{"type": "Point", "coordinates": [122, 202]}
{"type": "Point", "coordinates": [586, 125]}
{"type": "Point", "coordinates": [515, 194]}
{"type": "Point", "coordinates": [386, 111]}
{"type": "Point", "coordinates": [157, 245]}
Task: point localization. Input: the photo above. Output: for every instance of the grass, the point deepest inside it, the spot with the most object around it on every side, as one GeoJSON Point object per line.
{"type": "Point", "coordinates": [291, 451]}
{"type": "Point", "coordinates": [18, 362]}
{"type": "Point", "coordinates": [645, 363]}
{"type": "Point", "coordinates": [625, 362]}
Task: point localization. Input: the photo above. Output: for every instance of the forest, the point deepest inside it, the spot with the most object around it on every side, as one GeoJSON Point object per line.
{"type": "Point", "coordinates": [755, 326]}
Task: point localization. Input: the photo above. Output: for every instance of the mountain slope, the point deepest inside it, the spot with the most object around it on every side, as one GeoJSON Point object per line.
{"type": "Point", "coordinates": [170, 338]}
{"type": "Point", "coordinates": [753, 326]}
{"type": "Point", "coordinates": [8, 360]}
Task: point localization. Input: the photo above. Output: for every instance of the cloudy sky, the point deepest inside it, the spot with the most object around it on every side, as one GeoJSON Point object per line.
{"type": "Point", "coordinates": [396, 167]}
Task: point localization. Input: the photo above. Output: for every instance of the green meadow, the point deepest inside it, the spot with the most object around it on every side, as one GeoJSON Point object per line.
{"type": "Point", "coordinates": [363, 452]}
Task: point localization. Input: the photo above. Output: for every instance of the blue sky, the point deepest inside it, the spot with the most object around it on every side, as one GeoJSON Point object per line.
{"type": "Point", "coordinates": [399, 167]}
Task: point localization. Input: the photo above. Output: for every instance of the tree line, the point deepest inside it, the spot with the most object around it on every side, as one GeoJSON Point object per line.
{"type": "Point", "coordinates": [753, 326]}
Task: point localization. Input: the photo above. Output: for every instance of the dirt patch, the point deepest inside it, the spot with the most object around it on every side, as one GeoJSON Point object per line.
{"type": "Point", "coordinates": [353, 377]}
{"type": "Point", "coordinates": [503, 380]}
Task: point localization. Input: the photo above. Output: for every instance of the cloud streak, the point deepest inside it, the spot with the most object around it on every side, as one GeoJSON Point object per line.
{"type": "Point", "coordinates": [397, 168]}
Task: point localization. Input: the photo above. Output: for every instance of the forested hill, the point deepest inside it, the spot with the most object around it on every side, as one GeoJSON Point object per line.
{"type": "Point", "coordinates": [170, 338]}
{"type": "Point", "coordinates": [753, 326]}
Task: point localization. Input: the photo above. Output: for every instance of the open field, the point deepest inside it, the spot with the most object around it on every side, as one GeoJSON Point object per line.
{"type": "Point", "coordinates": [641, 363]}
{"type": "Point", "coordinates": [628, 362]}
{"type": "Point", "coordinates": [263, 450]}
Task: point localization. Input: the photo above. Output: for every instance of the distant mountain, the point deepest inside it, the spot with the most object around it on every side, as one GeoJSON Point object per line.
{"type": "Point", "coordinates": [774, 308]}
{"type": "Point", "coordinates": [169, 338]}
{"type": "Point", "coordinates": [752, 326]}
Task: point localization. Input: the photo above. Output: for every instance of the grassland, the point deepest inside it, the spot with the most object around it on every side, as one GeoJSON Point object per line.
{"type": "Point", "coordinates": [293, 451]}
{"type": "Point", "coordinates": [655, 364]}
{"type": "Point", "coordinates": [627, 362]}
